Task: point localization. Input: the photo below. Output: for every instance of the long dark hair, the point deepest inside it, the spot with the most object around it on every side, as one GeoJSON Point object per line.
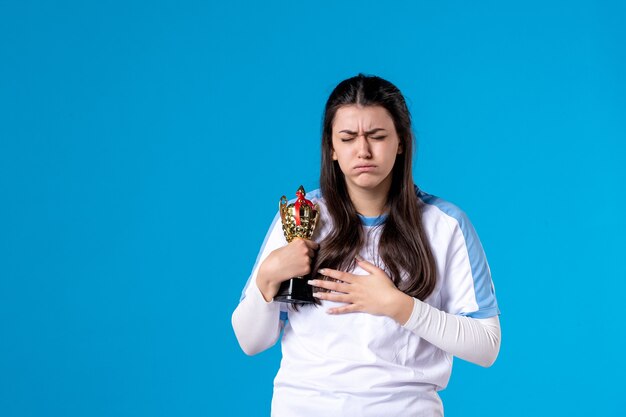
{"type": "Point", "coordinates": [403, 245]}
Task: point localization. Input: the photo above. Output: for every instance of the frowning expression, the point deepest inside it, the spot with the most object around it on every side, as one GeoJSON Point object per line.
{"type": "Point", "coordinates": [365, 145]}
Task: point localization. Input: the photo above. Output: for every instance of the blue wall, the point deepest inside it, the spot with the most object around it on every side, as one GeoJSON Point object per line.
{"type": "Point", "coordinates": [144, 146]}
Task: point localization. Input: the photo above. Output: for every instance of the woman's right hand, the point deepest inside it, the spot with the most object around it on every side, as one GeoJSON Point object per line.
{"type": "Point", "coordinates": [293, 260]}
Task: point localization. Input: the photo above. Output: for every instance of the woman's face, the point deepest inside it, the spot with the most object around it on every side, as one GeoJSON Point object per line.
{"type": "Point", "coordinates": [365, 144]}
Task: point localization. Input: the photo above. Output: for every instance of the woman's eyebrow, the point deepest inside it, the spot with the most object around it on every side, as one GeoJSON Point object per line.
{"type": "Point", "coordinates": [369, 132]}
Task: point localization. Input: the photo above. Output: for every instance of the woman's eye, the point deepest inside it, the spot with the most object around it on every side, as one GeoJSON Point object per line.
{"type": "Point", "coordinates": [346, 139]}
{"type": "Point", "coordinates": [378, 137]}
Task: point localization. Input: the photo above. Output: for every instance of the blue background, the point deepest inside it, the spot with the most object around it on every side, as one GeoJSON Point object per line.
{"type": "Point", "coordinates": [144, 147]}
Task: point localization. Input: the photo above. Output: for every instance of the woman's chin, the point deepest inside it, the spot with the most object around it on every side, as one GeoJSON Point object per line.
{"type": "Point", "coordinates": [367, 184]}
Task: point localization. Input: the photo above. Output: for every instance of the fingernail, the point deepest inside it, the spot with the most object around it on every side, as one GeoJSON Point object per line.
{"type": "Point", "coordinates": [316, 294]}
{"type": "Point", "coordinates": [358, 258]}
{"type": "Point", "coordinates": [312, 282]}
{"type": "Point", "coordinates": [322, 271]}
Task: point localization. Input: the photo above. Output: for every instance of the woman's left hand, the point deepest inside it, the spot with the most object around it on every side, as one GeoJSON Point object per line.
{"type": "Point", "coordinates": [374, 293]}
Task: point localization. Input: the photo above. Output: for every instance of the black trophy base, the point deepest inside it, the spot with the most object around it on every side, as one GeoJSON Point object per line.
{"type": "Point", "coordinates": [295, 291]}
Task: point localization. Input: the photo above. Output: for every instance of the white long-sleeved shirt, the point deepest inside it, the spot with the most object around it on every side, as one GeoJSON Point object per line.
{"type": "Point", "coordinates": [360, 364]}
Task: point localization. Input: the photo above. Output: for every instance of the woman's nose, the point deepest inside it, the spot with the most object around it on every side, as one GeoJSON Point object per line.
{"type": "Point", "coordinates": [363, 147]}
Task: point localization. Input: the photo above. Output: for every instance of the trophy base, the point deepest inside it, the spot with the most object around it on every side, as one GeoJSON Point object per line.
{"type": "Point", "coordinates": [295, 291]}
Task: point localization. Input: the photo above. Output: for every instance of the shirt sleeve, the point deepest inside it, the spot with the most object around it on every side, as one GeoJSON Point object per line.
{"type": "Point", "coordinates": [256, 322]}
{"type": "Point", "coordinates": [473, 340]}
{"type": "Point", "coordinates": [467, 287]}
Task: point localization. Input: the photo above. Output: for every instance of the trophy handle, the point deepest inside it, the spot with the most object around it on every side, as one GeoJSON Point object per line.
{"type": "Point", "coordinates": [317, 216]}
{"type": "Point", "coordinates": [282, 207]}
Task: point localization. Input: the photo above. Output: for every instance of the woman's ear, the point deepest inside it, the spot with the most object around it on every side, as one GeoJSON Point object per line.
{"type": "Point", "coordinates": [400, 148]}
{"type": "Point", "coordinates": [334, 155]}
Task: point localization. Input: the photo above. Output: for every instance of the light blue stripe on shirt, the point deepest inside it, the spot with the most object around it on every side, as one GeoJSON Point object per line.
{"type": "Point", "coordinates": [373, 221]}
{"type": "Point", "coordinates": [483, 286]}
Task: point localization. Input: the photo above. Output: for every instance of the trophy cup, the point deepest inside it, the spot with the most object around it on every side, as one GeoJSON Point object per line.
{"type": "Point", "coordinates": [299, 220]}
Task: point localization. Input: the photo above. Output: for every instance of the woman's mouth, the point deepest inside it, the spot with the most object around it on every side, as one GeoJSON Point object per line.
{"type": "Point", "coordinates": [364, 168]}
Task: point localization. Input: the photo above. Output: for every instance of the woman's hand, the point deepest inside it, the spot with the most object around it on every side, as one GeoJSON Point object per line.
{"type": "Point", "coordinates": [293, 260]}
{"type": "Point", "coordinates": [374, 293]}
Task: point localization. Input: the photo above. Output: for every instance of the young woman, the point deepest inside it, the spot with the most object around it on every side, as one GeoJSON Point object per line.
{"type": "Point", "coordinates": [401, 276]}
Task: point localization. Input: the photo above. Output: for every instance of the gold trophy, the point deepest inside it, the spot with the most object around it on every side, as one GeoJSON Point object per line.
{"type": "Point", "coordinates": [299, 220]}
